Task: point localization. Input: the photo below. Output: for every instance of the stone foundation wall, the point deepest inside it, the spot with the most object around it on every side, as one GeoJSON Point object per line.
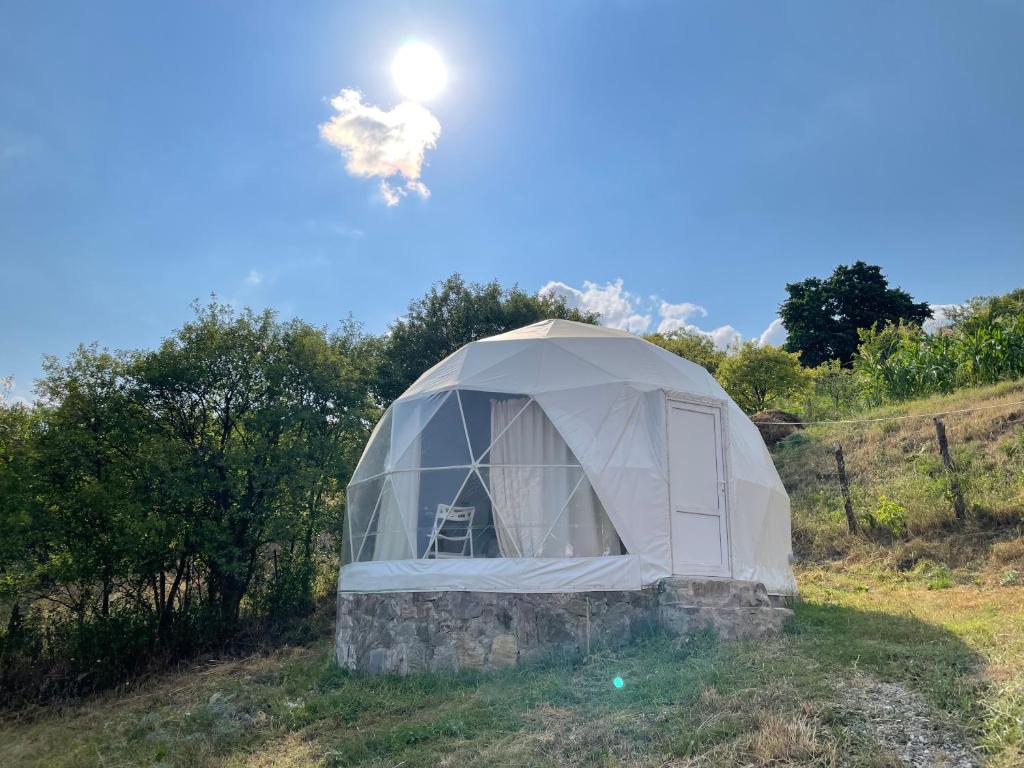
{"type": "Point", "coordinates": [403, 632]}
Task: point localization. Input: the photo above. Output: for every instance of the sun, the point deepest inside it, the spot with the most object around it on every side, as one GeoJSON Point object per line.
{"type": "Point", "coordinates": [419, 72]}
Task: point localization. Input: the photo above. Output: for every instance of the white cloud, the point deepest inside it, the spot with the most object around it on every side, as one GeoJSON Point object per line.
{"type": "Point", "coordinates": [774, 334]}
{"type": "Point", "coordinates": [621, 309]}
{"type": "Point", "coordinates": [940, 317]}
{"type": "Point", "coordinates": [616, 306]}
{"type": "Point", "coordinates": [254, 277]}
{"type": "Point", "coordinates": [676, 317]}
{"type": "Point", "coordinates": [383, 144]}
{"type": "Point", "coordinates": [724, 336]}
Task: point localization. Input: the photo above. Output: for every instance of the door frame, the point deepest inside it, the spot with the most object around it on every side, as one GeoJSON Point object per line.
{"type": "Point", "coordinates": [683, 398]}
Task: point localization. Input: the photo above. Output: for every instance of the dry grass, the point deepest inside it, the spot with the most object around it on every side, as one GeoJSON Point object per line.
{"type": "Point", "coordinates": [895, 466]}
{"type": "Point", "coordinates": [1008, 552]}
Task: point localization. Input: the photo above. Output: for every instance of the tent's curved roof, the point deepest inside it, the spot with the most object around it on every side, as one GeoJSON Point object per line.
{"type": "Point", "coordinates": [554, 355]}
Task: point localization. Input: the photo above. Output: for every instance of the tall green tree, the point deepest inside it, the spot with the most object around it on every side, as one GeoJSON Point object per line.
{"type": "Point", "coordinates": [452, 314]}
{"type": "Point", "coordinates": [19, 429]}
{"type": "Point", "coordinates": [258, 424]}
{"type": "Point", "coordinates": [152, 500]}
{"type": "Point", "coordinates": [86, 475]}
{"type": "Point", "coordinates": [823, 317]}
{"type": "Point", "coordinates": [757, 376]}
{"type": "Point", "coordinates": [695, 347]}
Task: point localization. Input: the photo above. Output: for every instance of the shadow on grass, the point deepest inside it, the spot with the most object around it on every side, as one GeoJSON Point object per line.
{"type": "Point", "coordinates": [417, 720]}
{"type": "Point", "coordinates": [680, 697]}
{"type": "Point", "coordinates": [896, 647]}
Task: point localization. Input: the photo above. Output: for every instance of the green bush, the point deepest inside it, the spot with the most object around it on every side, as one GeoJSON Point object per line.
{"type": "Point", "coordinates": [985, 345]}
{"type": "Point", "coordinates": [889, 516]}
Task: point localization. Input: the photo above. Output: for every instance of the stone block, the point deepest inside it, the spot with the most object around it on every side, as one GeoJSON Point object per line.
{"type": "Point", "coordinates": [469, 652]}
{"type": "Point", "coordinates": [447, 631]}
{"type": "Point", "coordinates": [504, 652]}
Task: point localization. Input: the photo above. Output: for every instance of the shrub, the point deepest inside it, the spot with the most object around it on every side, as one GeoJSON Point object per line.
{"type": "Point", "coordinates": [985, 345]}
{"type": "Point", "coordinates": [889, 516]}
{"type": "Point", "coordinates": [935, 575]}
{"type": "Point", "coordinates": [755, 376]}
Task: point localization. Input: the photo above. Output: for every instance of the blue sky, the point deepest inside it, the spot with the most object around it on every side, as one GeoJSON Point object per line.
{"type": "Point", "coordinates": [703, 154]}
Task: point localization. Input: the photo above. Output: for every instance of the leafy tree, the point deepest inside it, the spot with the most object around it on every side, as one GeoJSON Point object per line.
{"type": "Point", "coordinates": [822, 317]}
{"type": "Point", "coordinates": [983, 311]}
{"type": "Point", "coordinates": [452, 314]}
{"type": "Point", "coordinates": [150, 501]}
{"type": "Point", "coordinates": [695, 347]}
{"type": "Point", "coordinates": [257, 423]}
{"type": "Point", "coordinates": [756, 376]}
{"type": "Point", "coordinates": [837, 386]}
{"type": "Point", "coordinates": [19, 427]}
{"type": "Point", "coordinates": [86, 534]}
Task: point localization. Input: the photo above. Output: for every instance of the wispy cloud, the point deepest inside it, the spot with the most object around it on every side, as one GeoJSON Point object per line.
{"type": "Point", "coordinates": [338, 228]}
{"type": "Point", "coordinates": [628, 311]}
{"type": "Point", "coordinates": [254, 277]}
{"type": "Point", "coordinates": [383, 144]}
{"type": "Point", "coordinates": [16, 146]}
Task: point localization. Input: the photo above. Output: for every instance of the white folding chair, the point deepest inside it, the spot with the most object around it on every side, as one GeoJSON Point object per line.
{"type": "Point", "coordinates": [460, 535]}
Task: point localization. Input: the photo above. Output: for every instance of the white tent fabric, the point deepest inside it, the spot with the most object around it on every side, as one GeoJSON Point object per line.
{"type": "Point", "coordinates": [580, 465]}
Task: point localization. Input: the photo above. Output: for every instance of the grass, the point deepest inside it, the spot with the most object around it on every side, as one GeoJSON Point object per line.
{"type": "Point", "coordinates": [900, 491]}
{"type": "Point", "coordinates": [937, 608]}
{"type": "Point", "coordinates": [686, 702]}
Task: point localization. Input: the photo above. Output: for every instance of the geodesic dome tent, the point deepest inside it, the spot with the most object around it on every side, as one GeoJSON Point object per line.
{"type": "Point", "coordinates": [564, 457]}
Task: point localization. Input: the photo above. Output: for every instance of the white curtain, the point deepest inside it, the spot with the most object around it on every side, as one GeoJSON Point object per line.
{"type": "Point", "coordinates": [399, 506]}
{"type": "Point", "coordinates": [533, 477]}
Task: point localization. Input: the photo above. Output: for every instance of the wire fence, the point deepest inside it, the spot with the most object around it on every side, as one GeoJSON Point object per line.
{"type": "Point", "coordinates": [937, 414]}
{"type": "Point", "coordinates": [957, 477]}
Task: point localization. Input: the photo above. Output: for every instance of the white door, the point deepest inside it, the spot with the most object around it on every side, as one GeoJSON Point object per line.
{"type": "Point", "coordinates": [697, 490]}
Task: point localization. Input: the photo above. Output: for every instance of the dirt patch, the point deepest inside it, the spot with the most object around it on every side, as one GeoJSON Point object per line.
{"type": "Point", "coordinates": [775, 425]}
{"type": "Point", "coordinates": [902, 723]}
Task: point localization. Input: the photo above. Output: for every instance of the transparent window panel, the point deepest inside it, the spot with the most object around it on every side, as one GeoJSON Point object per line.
{"type": "Point", "coordinates": [362, 503]}
{"type": "Point", "coordinates": [477, 408]}
{"type": "Point", "coordinates": [474, 503]}
{"type": "Point", "coordinates": [442, 441]}
{"type": "Point", "coordinates": [366, 548]}
{"type": "Point", "coordinates": [525, 436]}
{"type": "Point", "coordinates": [396, 519]}
{"type": "Point", "coordinates": [589, 531]}
{"type": "Point", "coordinates": [410, 418]}
{"type": "Point", "coordinates": [375, 456]}
{"type": "Point", "coordinates": [435, 488]}
{"type": "Point", "coordinates": [529, 505]}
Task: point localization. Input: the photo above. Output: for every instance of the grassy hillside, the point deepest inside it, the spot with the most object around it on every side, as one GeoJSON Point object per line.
{"type": "Point", "coordinates": [897, 481]}
{"type": "Point", "coordinates": [907, 646]}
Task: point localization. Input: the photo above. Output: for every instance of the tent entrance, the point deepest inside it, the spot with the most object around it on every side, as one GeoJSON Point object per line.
{"type": "Point", "coordinates": [697, 490]}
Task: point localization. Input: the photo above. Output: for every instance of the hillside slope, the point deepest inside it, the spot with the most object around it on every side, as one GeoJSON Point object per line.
{"type": "Point", "coordinates": [900, 491]}
{"type": "Point", "coordinates": [906, 649]}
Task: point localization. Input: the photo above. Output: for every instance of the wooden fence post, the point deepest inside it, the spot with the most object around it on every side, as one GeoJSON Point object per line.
{"type": "Point", "coordinates": [954, 483]}
{"type": "Point", "coordinates": [851, 521]}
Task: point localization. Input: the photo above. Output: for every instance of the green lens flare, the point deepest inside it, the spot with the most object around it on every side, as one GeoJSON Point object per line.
{"type": "Point", "coordinates": [617, 682]}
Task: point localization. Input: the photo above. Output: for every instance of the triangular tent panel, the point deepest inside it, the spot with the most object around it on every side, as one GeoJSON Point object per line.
{"type": "Point", "coordinates": [564, 457]}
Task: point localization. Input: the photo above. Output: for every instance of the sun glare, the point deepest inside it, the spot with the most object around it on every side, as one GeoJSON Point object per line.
{"type": "Point", "coordinates": [419, 72]}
